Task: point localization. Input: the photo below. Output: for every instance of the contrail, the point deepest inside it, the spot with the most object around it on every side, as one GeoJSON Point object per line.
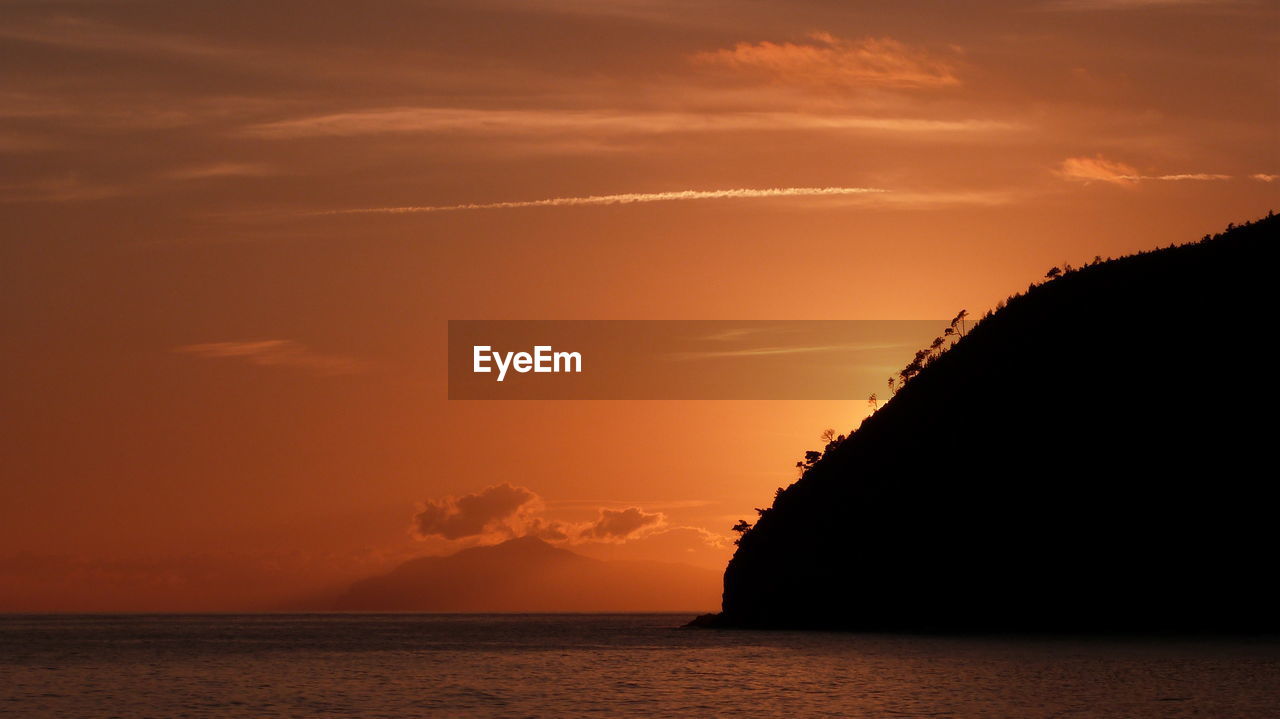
{"type": "Point", "coordinates": [624, 199]}
{"type": "Point", "coordinates": [1178, 178]}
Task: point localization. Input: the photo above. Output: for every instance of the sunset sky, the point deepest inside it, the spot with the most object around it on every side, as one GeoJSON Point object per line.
{"type": "Point", "coordinates": [234, 233]}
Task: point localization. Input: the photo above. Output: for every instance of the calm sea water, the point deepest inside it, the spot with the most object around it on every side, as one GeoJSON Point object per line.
{"type": "Point", "coordinates": [601, 665]}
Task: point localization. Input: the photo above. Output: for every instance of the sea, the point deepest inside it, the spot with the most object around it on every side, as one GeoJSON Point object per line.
{"type": "Point", "coordinates": [633, 665]}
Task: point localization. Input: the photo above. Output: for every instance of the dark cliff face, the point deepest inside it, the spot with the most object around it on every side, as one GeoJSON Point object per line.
{"type": "Point", "coordinates": [1097, 454]}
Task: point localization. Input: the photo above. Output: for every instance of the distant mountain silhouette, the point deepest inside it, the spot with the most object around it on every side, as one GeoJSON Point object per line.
{"type": "Point", "coordinates": [529, 575]}
{"type": "Point", "coordinates": [1097, 454]}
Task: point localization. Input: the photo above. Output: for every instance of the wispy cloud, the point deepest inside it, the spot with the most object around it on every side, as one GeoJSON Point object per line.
{"type": "Point", "coordinates": [16, 142]}
{"type": "Point", "coordinates": [276, 353]}
{"type": "Point", "coordinates": [472, 121]}
{"type": "Point", "coordinates": [219, 170]}
{"type": "Point", "coordinates": [1133, 4]}
{"type": "Point", "coordinates": [828, 60]}
{"type": "Point", "coordinates": [937, 199]}
{"type": "Point", "coordinates": [1185, 176]}
{"type": "Point", "coordinates": [738, 333]}
{"type": "Point", "coordinates": [73, 187]}
{"type": "Point", "coordinates": [1264, 177]}
{"type": "Point", "coordinates": [1100, 169]}
{"type": "Point", "coordinates": [79, 33]}
{"type": "Point", "coordinates": [623, 199]}
{"type": "Point", "coordinates": [504, 510]}
{"type": "Point", "coordinates": [70, 187]}
{"type": "Point", "coordinates": [1097, 168]}
{"type": "Point", "coordinates": [623, 503]}
{"type": "Point", "coordinates": [780, 350]}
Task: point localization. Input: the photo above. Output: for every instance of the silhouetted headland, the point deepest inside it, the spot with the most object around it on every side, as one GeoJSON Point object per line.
{"type": "Point", "coordinates": [1097, 454]}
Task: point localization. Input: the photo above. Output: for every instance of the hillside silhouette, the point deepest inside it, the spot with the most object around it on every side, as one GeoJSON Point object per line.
{"type": "Point", "coordinates": [1094, 455]}
{"type": "Point", "coordinates": [529, 575]}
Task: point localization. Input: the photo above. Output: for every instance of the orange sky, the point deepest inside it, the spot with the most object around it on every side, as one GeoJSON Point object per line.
{"type": "Point", "coordinates": [178, 175]}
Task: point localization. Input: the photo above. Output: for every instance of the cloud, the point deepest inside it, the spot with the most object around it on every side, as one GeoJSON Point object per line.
{"type": "Point", "coordinates": [128, 111]}
{"type": "Point", "coordinates": [73, 187]}
{"type": "Point", "coordinates": [652, 504]}
{"type": "Point", "coordinates": [611, 526]}
{"type": "Point", "coordinates": [547, 530]}
{"type": "Point", "coordinates": [1186, 176]}
{"type": "Point", "coordinates": [578, 123]}
{"type": "Point", "coordinates": [66, 188]}
{"type": "Point", "coordinates": [619, 525]}
{"type": "Point", "coordinates": [1098, 168]}
{"type": "Point", "coordinates": [1131, 4]}
{"type": "Point", "coordinates": [218, 170]}
{"type": "Point", "coordinates": [737, 333]}
{"type": "Point", "coordinates": [275, 353]}
{"type": "Point", "coordinates": [829, 196]}
{"type": "Point", "coordinates": [935, 199]}
{"type": "Point", "coordinates": [1263, 177]}
{"type": "Point", "coordinates": [504, 511]}
{"type": "Point", "coordinates": [16, 142]}
{"type": "Point", "coordinates": [773, 351]}
{"type": "Point", "coordinates": [492, 509]}
{"type": "Point", "coordinates": [704, 537]}
{"type": "Point", "coordinates": [78, 33]}
{"type": "Point", "coordinates": [622, 199]}
{"type": "Point", "coordinates": [831, 61]}
{"type": "Point", "coordinates": [685, 544]}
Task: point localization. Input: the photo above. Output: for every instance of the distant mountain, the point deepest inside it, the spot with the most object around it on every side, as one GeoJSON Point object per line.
{"type": "Point", "coordinates": [529, 575]}
{"type": "Point", "coordinates": [1097, 454]}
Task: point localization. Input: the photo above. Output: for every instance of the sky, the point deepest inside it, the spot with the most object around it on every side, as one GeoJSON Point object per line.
{"type": "Point", "coordinates": [234, 233]}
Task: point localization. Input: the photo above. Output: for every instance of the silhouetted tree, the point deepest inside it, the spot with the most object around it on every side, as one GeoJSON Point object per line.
{"type": "Point", "coordinates": [873, 402]}
{"type": "Point", "coordinates": [1053, 273]}
{"type": "Point", "coordinates": [810, 458]}
{"type": "Point", "coordinates": [913, 367]}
